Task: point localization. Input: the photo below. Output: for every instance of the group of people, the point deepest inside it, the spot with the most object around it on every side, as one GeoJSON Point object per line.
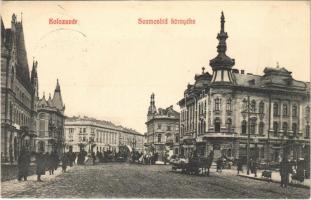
{"type": "Point", "coordinates": [44, 162]}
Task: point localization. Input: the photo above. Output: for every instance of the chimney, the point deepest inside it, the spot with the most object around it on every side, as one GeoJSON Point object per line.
{"type": "Point", "coordinates": [242, 71]}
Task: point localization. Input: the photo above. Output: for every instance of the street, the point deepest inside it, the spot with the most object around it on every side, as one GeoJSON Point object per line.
{"type": "Point", "coordinates": [115, 180]}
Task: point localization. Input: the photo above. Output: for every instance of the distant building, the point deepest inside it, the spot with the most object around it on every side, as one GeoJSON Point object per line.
{"type": "Point", "coordinates": [162, 135]}
{"type": "Point", "coordinates": [99, 135]}
{"type": "Point", "coordinates": [219, 111]}
{"type": "Point", "coordinates": [51, 122]}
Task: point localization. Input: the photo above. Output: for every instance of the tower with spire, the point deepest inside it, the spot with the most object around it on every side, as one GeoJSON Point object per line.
{"type": "Point", "coordinates": [222, 64]}
{"type": "Point", "coordinates": [152, 110]}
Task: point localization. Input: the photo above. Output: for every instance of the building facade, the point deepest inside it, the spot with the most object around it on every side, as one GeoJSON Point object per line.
{"type": "Point", "coordinates": [225, 110]}
{"type": "Point", "coordinates": [50, 126]}
{"type": "Point", "coordinates": [21, 109]}
{"type": "Point", "coordinates": [162, 134]}
{"type": "Point", "coordinates": [98, 135]}
{"type": "Point", "coordinates": [18, 93]}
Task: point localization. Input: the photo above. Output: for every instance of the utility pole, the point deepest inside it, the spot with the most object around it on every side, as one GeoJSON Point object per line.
{"type": "Point", "coordinates": [248, 135]}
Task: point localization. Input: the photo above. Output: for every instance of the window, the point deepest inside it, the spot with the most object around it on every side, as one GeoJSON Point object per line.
{"type": "Point", "coordinates": [308, 131]}
{"type": "Point", "coordinates": [244, 127]}
{"type": "Point", "coordinates": [229, 105]}
{"type": "Point", "coordinates": [217, 104]}
{"type": "Point", "coordinates": [253, 106]}
{"type": "Point", "coordinates": [253, 126]}
{"type": "Point", "coordinates": [294, 128]}
{"type": "Point", "coordinates": [285, 127]}
{"type": "Point", "coordinates": [217, 125]}
{"type": "Point", "coordinates": [261, 128]}
{"type": "Point", "coordinates": [168, 128]}
{"type": "Point", "coordinates": [159, 126]}
{"type": "Point", "coordinates": [294, 114]}
{"type": "Point", "coordinates": [159, 137]}
{"type": "Point", "coordinates": [275, 128]}
{"type": "Point", "coordinates": [80, 130]}
{"type": "Point", "coordinates": [275, 109]}
{"type": "Point", "coordinates": [307, 112]}
{"type": "Point", "coordinates": [84, 130]}
{"type": "Point", "coordinates": [261, 107]}
{"type": "Point", "coordinates": [176, 139]}
{"type": "Point", "coordinates": [285, 111]}
{"type": "Point", "coordinates": [229, 125]}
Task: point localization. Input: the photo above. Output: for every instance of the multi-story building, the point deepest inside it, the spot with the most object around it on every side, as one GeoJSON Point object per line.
{"type": "Point", "coordinates": [220, 111]}
{"type": "Point", "coordinates": [98, 135]}
{"type": "Point", "coordinates": [50, 126]}
{"type": "Point", "coordinates": [20, 104]}
{"type": "Point", "coordinates": [162, 135]}
{"type": "Point", "coordinates": [18, 93]}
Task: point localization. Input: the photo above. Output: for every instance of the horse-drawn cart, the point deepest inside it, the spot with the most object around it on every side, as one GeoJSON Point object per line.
{"type": "Point", "coordinates": [192, 166]}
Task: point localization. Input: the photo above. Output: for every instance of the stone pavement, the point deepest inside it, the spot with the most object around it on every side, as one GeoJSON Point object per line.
{"type": "Point", "coordinates": [11, 187]}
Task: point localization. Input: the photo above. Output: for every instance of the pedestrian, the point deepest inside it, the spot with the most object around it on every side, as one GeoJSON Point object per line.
{"type": "Point", "coordinates": [284, 172]}
{"type": "Point", "coordinates": [40, 162]}
{"type": "Point", "coordinates": [55, 159]}
{"type": "Point", "coordinates": [64, 162]}
{"type": "Point", "coordinates": [50, 163]}
{"type": "Point", "coordinates": [23, 164]}
{"type": "Point", "coordinates": [219, 165]}
{"type": "Point", "coordinates": [93, 157]}
{"type": "Point", "coordinates": [239, 165]}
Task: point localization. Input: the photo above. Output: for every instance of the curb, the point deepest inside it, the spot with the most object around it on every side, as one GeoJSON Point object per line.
{"type": "Point", "coordinates": [274, 181]}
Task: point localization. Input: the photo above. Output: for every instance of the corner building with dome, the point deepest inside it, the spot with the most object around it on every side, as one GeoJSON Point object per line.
{"type": "Point", "coordinates": [221, 110]}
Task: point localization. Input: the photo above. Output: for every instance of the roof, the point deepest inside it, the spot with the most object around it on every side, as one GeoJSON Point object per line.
{"type": "Point", "coordinates": [14, 37]}
{"type": "Point", "coordinates": [102, 123]}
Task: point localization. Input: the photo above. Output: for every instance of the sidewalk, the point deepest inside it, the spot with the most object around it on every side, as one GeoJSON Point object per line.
{"type": "Point", "coordinates": [11, 187]}
{"type": "Point", "coordinates": [276, 178]}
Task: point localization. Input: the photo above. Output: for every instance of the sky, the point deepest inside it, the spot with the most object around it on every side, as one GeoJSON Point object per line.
{"type": "Point", "coordinates": [108, 65]}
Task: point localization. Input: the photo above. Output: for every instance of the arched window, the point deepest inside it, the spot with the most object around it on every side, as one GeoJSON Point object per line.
{"type": "Point", "coordinates": [229, 105]}
{"type": "Point", "coordinates": [294, 128]}
{"type": "Point", "coordinates": [261, 107]}
{"type": "Point", "coordinates": [42, 125]}
{"type": "Point", "coordinates": [307, 112]}
{"type": "Point", "coordinates": [253, 106]}
{"type": "Point", "coordinates": [217, 104]}
{"type": "Point", "coordinates": [261, 128]}
{"type": "Point", "coordinates": [308, 131]}
{"type": "Point", "coordinates": [253, 126]}
{"type": "Point", "coordinates": [229, 125]}
{"type": "Point", "coordinates": [275, 109]}
{"type": "Point", "coordinates": [285, 110]}
{"type": "Point", "coordinates": [244, 127]}
{"type": "Point", "coordinates": [285, 127]}
{"type": "Point", "coordinates": [294, 111]}
{"type": "Point", "coordinates": [275, 128]}
{"type": "Point", "coordinates": [217, 124]}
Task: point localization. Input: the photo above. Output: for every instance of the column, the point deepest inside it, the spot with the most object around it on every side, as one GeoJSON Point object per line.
{"type": "Point", "coordinates": [290, 116]}
{"type": "Point", "coordinates": [206, 117]}
{"type": "Point", "coordinates": [271, 117]}
{"type": "Point", "coordinates": [223, 114]}
{"type": "Point", "coordinates": [300, 119]}
{"type": "Point", "coordinates": [212, 113]}
{"type": "Point", "coordinates": [281, 117]}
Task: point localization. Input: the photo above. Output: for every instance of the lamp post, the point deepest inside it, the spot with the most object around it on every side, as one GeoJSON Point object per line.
{"type": "Point", "coordinates": [256, 154]}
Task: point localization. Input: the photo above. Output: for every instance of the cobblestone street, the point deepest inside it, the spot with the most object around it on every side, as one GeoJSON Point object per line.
{"type": "Point", "coordinates": [141, 181]}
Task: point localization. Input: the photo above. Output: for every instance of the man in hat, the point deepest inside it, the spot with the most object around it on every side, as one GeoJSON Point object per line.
{"type": "Point", "coordinates": [40, 161]}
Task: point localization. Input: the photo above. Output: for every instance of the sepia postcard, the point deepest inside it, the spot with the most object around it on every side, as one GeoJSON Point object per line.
{"type": "Point", "coordinates": [155, 99]}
